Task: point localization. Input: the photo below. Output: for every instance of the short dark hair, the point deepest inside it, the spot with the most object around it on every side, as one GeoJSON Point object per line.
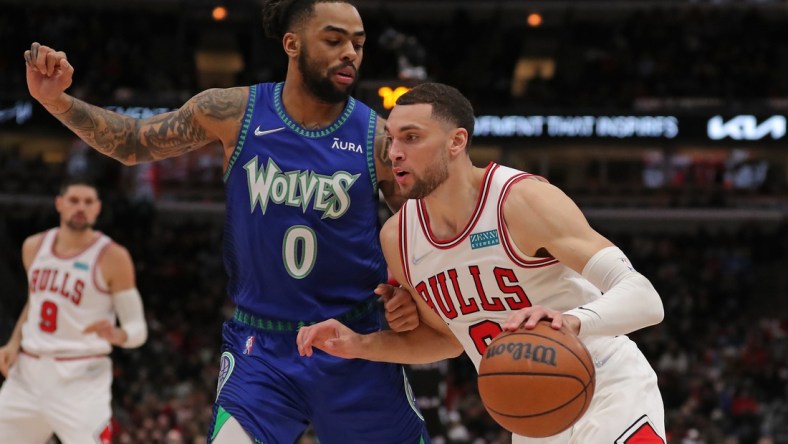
{"type": "Point", "coordinates": [283, 16]}
{"type": "Point", "coordinates": [448, 105]}
{"type": "Point", "coordinates": [76, 180]}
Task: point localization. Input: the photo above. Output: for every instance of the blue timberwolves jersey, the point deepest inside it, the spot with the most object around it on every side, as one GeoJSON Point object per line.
{"type": "Point", "coordinates": [301, 231]}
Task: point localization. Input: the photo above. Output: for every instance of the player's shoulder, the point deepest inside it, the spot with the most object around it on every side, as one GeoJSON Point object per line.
{"type": "Point", "coordinates": [115, 253]}
{"type": "Point", "coordinates": [33, 242]}
{"type": "Point", "coordinates": [30, 247]}
{"type": "Point", "coordinates": [535, 196]}
{"type": "Point", "coordinates": [219, 102]}
{"type": "Point", "coordinates": [391, 226]}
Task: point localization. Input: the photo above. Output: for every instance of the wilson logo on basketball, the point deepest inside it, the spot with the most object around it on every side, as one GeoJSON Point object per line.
{"type": "Point", "coordinates": [524, 350]}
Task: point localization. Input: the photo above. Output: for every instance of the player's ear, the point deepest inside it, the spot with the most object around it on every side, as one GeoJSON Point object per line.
{"type": "Point", "coordinates": [458, 141]}
{"type": "Point", "coordinates": [291, 44]}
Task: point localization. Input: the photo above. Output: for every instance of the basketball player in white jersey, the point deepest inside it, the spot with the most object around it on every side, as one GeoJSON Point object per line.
{"type": "Point", "coordinates": [57, 366]}
{"type": "Point", "coordinates": [483, 250]}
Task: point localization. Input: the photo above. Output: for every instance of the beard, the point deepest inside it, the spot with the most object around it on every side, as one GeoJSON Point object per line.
{"type": "Point", "coordinates": [321, 86]}
{"type": "Point", "coordinates": [75, 225]}
{"type": "Point", "coordinates": [435, 175]}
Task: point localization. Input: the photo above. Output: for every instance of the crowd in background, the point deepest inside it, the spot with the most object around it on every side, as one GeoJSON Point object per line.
{"type": "Point", "coordinates": [616, 60]}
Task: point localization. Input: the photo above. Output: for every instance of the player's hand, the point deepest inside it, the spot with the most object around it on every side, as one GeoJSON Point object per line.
{"type": "Point", "coordinates": [8, 355]}
{"type": "Point", "coordinates": [48, 73]}
{"type": "Point", "coordinates": [528, 318]}
{"type": "Point", "coordinates": [401, 311]}
{"type": "Point", "coordinates": [332, 337]}
{"type": "Point", "coordinates": [105, 329]}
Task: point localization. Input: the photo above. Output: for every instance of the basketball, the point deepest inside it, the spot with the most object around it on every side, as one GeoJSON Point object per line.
{"type": "Point", "coordinates": [538, 382]}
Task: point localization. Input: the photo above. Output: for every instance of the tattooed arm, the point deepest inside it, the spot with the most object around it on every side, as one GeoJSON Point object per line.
{"type": "Point", "coordinates": [213, 115]}
{"type": "Point", "coordinates": [386, 184]}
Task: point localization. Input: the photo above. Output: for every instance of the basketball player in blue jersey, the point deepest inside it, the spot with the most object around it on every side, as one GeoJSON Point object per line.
{"type": "Point", "coordinates": [304, 163]}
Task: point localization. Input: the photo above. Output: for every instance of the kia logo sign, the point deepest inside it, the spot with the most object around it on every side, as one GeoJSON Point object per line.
{"type": "Point", "coordinates": [746, 127]}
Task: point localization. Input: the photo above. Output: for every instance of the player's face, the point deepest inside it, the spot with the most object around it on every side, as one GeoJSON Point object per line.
{"type": "Point", "coordinates": [418, 150]}
{"type": "Point", "coordinates": [79, 207]}
{"type": "Point", "coordinates": [331, 51]}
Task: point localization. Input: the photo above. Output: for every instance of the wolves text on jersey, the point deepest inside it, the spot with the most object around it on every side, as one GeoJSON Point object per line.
{"type": "Point", "coordinates": [327, 194]}
{"type": "Point", "coordinates": [52, 281]}
{"type": "Point", "coordinates": [442, 292]}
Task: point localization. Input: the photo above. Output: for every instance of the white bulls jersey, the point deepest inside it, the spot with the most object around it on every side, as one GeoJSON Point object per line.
{"type": "Point", "coordinates": [66, 295]}
{"type": "Point", "coordinates": [475, 280]}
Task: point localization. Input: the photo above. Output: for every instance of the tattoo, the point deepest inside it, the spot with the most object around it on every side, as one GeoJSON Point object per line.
{"type": "Point", "coordinates": [200, 121]}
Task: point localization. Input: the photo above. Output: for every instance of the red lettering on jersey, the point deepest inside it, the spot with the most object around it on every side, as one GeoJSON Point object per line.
{"type": "Point", "coordinates": [63, 291]}
{"type": "Point", "coordinates": [34, 280]}
{"type": "Point", "coordinates": [425, 295]}
{"type": "Point", "coordinates": [442, 298]}
{"type": "Point", "coordinates": [42, 283]}
{"type": "Point", "coordinates": [520, 299]}
{"type": "Point", "coordinates": [487, 304]}
{"type": "Point", "coordinates": [508, 296]}
{"type": "Point", "coordinates": [52, 287]}
{"type": "Point", "coordinates": [46, 279]}
{"type": "Point", "coordinates": [76, 297]}
{"type": "Point", "coordinates": [466, 306]}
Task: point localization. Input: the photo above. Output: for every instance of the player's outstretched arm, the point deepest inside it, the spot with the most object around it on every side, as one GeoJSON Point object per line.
{"type": "Point", "coordinates": [213, 115]}
{"type": "Point", "coordinates": [557, 226]}
{"type": "Point", "coordinates": [430, 341]}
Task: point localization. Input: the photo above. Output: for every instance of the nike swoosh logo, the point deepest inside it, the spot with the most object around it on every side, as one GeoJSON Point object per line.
{"type": "Point", "coordinates": [416, 260]}
{"type": "Point", "coordinates": [258, 132]}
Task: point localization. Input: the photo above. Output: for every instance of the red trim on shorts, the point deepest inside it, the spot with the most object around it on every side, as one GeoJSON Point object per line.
{"type": "Point", "coordinates": [63, 358]}
{"type": "Point", "coordinates": [105, 436]}
{"type": "Point", "coordinates": [640, 432]}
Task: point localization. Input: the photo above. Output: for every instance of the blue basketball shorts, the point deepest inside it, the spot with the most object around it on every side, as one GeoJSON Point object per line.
{"type": "Point", "coordinates": [274, 393]}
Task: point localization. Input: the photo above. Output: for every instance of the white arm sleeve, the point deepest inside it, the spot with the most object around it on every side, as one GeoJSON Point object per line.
{"type": "Point", "coordinates": [629, 302]}
{"type": "Point", "coordinates": [128, 306]}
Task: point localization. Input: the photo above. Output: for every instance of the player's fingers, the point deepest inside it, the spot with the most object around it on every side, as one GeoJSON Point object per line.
{"type": "Point", "coordinates": [392, 304]}
{"type": "Point", "coordinates": [40, 58]}
{"type": "Point", "coordinates": [386, 291]}
{"type": "Point", "coordinates": [63, 67]}
{"type": "Point", "coordinates": [301, 341]}
{"type": "Point", "coordinates": [96, 327]}
{"type": "Point", "coordinates": [514, 321]}
{"type": "Point", "coordinates": [402, 325]}
{"type": "Point", "coordinates": [34, 52]}
{"type": "Point", "coordinates": [53, 60]}
{"type": "Point", "coordinates": [534, 319]}
{"type": "Point", "coordinates": [29, 60]}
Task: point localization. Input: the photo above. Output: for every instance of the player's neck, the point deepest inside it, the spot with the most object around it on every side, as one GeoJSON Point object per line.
{"type": "Point", "coordinates": [452, 204]}
{"type": "Point", "coordinates": [306, 110]}
{"type": "Point", "coordinates": [73, 241]}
